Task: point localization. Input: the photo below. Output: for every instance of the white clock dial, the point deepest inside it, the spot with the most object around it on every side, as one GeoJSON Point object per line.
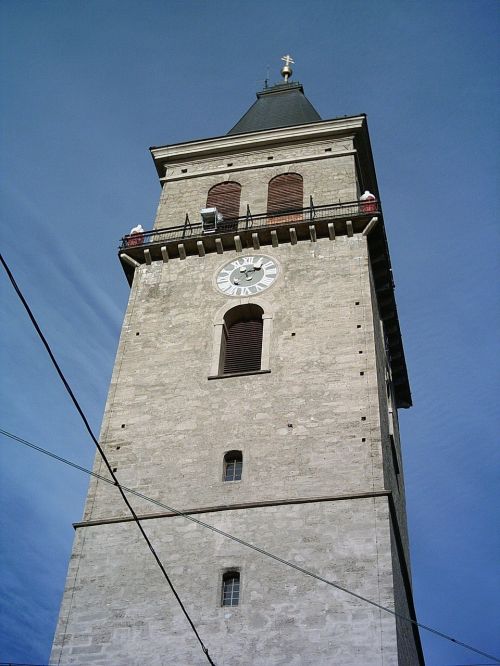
{"type": "Point", "coordinates": [247, 276]}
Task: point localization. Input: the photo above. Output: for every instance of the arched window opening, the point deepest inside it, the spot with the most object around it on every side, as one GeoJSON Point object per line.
{"type": "Point", "coordinates": [230, 588]}
{"type": "Point", "coordinates": [254, 348]}
{"type": "Point", "coordinates": [241, 345]}
{"type": "Point", "coordinates": [285, 193]}
{"type": "Point", "coordinates": [226, 198]}
{"type": "Point", "coordinates": [233, 466]}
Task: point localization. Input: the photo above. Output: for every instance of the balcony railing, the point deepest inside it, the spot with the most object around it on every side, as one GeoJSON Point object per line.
{"type": "Point", "coordinates": [249, 222]}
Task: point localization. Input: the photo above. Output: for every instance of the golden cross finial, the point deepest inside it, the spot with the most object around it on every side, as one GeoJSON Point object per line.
{"type": "Point", "coordinates": [287, 71]}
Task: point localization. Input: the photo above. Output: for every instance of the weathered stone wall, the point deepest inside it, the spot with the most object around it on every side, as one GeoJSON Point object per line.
{"type": "Point", "coordinates": [173, 425]}
{"type": "Point", "coordinates": [394, 481]}
{"type": "Point", "coordinates": [121, 611]}
{"type": "Point", "coordinates": [315, 426]}
{"type": "Point", "coordinates": [329, 178]}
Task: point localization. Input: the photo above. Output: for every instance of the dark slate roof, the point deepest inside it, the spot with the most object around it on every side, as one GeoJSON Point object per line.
{"type": "Point", "coordinates": [281, 105]}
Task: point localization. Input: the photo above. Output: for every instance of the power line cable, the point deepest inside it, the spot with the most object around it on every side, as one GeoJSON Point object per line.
{"type": "Point", "coordinates": [17, 663]}
{"type": "Point", "coordinates": [103, 455]}
{"type": "Point", "coordinates": [247, 544]}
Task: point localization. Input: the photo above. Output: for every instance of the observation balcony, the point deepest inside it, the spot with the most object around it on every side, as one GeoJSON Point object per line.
{"type": "Point", "coordinates": [247, 231]}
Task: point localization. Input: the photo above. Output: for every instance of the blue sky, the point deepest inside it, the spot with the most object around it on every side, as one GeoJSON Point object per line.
{"type": "Point", "coordinates": [88, 87]}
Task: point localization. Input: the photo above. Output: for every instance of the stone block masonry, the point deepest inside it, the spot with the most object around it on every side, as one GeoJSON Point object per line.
{"type": "Point", "coordinates": [177, 425]}
{"type": "Point", "coordinates": [309, 428]}
{"type": "Point", "coordinates": [283, 618]}
{"type": "Point", "coordinates": [319, 486]}
{"type": "Point", "coordinates": [328, 180]}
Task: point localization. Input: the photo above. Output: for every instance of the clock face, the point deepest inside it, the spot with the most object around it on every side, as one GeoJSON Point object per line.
{"type": "Point", "coordinates": [247, 276]}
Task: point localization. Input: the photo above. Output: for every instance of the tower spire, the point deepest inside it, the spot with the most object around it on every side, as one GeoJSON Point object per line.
{"type": "Point", "coordinates": [286, 70]}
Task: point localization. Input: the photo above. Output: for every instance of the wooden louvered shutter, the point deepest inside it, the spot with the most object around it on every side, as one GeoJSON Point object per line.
{"type": "Point", "coordinates": [285, 192]}
{"type": "Point", "coordinates": [226, 198]}
{"type": "Point", "coordinates": [243, 346]}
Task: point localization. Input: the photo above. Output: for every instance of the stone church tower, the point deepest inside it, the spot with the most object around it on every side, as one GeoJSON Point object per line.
{"type": "Point", "coordinates": [256, 386]}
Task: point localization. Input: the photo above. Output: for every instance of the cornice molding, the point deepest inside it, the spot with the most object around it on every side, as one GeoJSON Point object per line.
{"type": "Point", "coordinates": [256, 165]}
{"type": "Point", "coordinates": [383, 492]}
{"type": "Point", "coordinates": [234, 142]}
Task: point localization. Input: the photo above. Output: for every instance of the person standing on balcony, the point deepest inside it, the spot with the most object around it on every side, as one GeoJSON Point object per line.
{"type": "Point", "coordinates": [368, 202]}
{"type": "Point", "coordinates": [136, 236]}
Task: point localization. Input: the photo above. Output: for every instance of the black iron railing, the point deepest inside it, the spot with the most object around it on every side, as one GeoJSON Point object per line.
{"type": "Point", "coordinates": [249, 222]}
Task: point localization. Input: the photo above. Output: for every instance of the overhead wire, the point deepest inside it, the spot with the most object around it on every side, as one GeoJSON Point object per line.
{"type": "Point", "coordinates": [483, 663]}
{"type": "Point", "coordinates": [247, 544]}
{"type": "Point", "coordinates": [103, 455]}
{"type": "Point", "coordinates": [17, 663]}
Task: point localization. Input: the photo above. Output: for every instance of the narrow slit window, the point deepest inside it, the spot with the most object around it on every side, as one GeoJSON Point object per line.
{"type": "Point", "coordinates": [233, 466]}
{"type": "Point", "coordinates": [231, 588]}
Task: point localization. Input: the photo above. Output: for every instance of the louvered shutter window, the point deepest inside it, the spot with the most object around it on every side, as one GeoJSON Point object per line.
{"type": "Point", "coordinates": [243, 339]}
{"type": "Point", "coordinates": [285, 192]}
{"type": "Point", "coordinates": [226, 198]}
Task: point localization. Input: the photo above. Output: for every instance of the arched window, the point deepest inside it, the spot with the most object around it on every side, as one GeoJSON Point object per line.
{"type": "Point", "coordinates": [230, 588]}
{"type": "Point", "coordinates": [226, 198]}
{"type": "Point", "coordinates": [256, 347]}
{"type": "Point", "coordinates": [233, 466]}
{"type": "Point", "coordinates": [241, 344]}
{"type": "Point", "coordinates": [285, 193]}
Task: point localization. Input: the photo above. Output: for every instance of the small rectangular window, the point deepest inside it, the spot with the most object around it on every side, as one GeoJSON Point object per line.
{"type": "Point", "coordinates": [231, 588]}
{"type": "Point", "coordinates": [233, 466]}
